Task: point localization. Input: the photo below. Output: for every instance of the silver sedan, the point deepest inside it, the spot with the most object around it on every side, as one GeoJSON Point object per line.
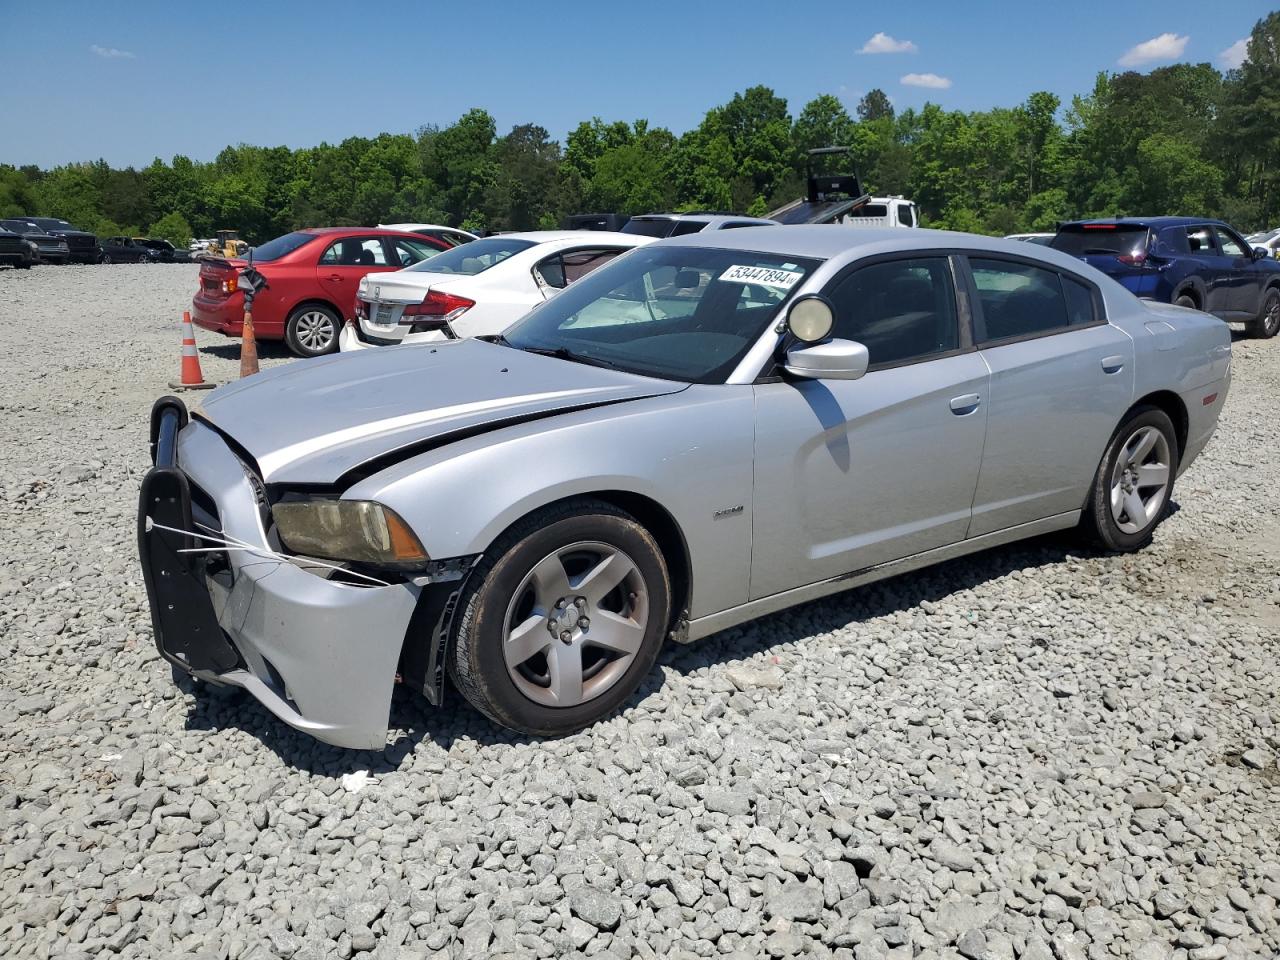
{"type": "Point", "coordinates": [708, 429]}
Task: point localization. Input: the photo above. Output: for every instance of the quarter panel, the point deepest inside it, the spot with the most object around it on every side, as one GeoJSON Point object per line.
{"type": "Point", "coordinates": [690, 452]}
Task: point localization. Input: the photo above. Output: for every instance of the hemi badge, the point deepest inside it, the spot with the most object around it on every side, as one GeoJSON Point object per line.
{"type": "Point", "coordinates": [1209, 399]}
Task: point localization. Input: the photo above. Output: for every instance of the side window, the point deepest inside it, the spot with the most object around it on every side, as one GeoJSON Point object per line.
{"type": "Point", "coordinates": [1173, 240]}
{"type": "Point", "coordinates": [1019, 300]}
{"type": "Point", "coordinates": [1231, 247]}
{"type": "Point", "coordinates": [688, 226]}
{"type": "Point", "coordinates": [356, 252]}
{"type": "Point", "coordinates": [578, 263]}
{"type": "Point", "coordinates": [565, 268]}
{"type": "Point", "coordinates": [1200, 240]}
{"type": "Point", "coordinates": [901, 310]}
{"type": "Point", "coordinates": [409, 252]}
{"type": "Point", "coordinates": [551, 272]}
{"type": "Point", "coordinates": [1080, 308]}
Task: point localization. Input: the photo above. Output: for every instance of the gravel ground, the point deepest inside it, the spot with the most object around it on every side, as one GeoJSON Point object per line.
{"type": "Point", "coordinates": [1035, 753]}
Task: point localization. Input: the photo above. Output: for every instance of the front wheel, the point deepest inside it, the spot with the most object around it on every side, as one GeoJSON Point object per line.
{"type": "Point", "coordinates": [1185, 300]}
{"type": "Point", "coordinates": [563, 619]}
{"type": "Point", "coordinates": [312, 330]}
{"type": "Point", "coordinates": [105, 258]}
{"type": "Point", "coordinates": [1267, 323]}
{"type": "Point", "coordinates": [1134, 483]}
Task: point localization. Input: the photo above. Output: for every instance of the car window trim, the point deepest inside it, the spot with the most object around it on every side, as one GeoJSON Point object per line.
{"type": "Point", "coordinates": [979, 321]}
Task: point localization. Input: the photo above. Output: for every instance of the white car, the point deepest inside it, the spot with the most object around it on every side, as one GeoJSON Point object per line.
{"type": "Point", "coordinates": [450, 235]}
{"type": "Point", "coordinates": [479, 288]}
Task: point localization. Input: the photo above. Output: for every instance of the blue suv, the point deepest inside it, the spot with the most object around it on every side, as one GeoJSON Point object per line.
{"type": "Point", "coordinates": [1202, 264]}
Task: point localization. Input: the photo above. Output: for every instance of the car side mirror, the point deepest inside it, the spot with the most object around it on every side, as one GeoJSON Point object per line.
{"type": "Point", "coordinates": [830, 360]}
{"type": "Point", "coordinates": [1261, 253]}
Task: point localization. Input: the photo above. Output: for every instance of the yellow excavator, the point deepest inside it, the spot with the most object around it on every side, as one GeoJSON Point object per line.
{"type": "Point", "coordinates": [227, 245]}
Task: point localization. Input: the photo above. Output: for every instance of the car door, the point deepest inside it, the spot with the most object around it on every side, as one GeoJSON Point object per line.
{"type": "Point", "coordinates": [345, 261]}
{"type": "Point", "coordinates": [1061, 378]}
{"type": "Point", "coordinates": [854, 473]}
{"type": "Point", "coordinates": [1213, 268]}
{"type": "Point", "coordinates": [1244, 278]}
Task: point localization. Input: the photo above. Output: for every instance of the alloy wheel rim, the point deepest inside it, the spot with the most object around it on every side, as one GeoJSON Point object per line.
{"type": "Point", "coordinates": [315, 330]}
{"type": "Point", "coordinates": [575, 624]}
{"type": "Point", "coordinates": [1140, 480]}
{"type": "Point", "coordinates": [1273, 313]}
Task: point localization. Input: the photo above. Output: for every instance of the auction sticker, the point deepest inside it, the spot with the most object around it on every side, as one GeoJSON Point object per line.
{"type": "Point", "coordinates": [765, 276]}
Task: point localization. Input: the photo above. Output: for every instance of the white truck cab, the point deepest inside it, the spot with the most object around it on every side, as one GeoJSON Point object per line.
{"type": "Point", "coordinates": [881, 212]}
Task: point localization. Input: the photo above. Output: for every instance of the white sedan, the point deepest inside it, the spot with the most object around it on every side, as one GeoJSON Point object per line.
{"type": "Point", "coordinates": [481, 287]}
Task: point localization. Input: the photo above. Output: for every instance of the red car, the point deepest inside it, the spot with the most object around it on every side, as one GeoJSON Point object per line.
{"type": "Point", "coordinates": [312, 276]}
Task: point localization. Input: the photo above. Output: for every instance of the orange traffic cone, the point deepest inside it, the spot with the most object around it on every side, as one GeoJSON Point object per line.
{"type": "Point", "coordinates": [192, 378]}
{"type": "Point", "coordinates": [248, 347]}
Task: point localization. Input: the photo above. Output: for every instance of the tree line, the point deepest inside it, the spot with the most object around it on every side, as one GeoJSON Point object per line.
{"type": "Point", "coordinates": [1183, 139]}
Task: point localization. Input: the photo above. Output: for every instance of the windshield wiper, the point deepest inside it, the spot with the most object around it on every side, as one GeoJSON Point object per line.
{"type": "Point", "coordinates": [564, 353]}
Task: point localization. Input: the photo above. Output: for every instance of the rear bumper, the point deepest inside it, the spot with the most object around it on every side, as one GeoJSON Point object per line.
{"type": "Point", "coordinates": [224, 316]}
{"type": "Point", "coordinates": [320, 655]}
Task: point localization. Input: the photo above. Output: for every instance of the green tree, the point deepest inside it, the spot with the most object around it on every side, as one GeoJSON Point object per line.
{"type": "Point", "coordinates": [875, 105]}
{"type": "Point", "coordinates": [172, 227]}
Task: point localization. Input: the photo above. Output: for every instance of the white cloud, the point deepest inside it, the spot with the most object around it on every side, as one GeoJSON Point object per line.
{"type": "Point", "coordinates": [883, 43]}
{"type": "Point", "coordinates": [111, 53]}
{"type": "Point", "coordinates": [1235, 55]}
{"type": "Point", "coordinates": [930, 80]}
{"type": "Point", "coordinates": [1167, 46]}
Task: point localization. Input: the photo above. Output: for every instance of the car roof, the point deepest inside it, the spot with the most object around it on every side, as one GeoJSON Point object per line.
{"type": "Point", "coordinates": [711, 218]}
{"type": "Point", "coordinates": [577, 236]}
{"type": "Point", "coordinates": [829, 241]}
{"type": "Point", "coordinates": [1149, 221]}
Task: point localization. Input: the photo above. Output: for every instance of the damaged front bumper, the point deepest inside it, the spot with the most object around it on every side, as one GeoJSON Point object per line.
{"type": "Point", "coordinates": [319, 653]}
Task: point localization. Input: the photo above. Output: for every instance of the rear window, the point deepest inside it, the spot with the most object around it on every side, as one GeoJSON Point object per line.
{"type": "Point", "coordinates": [649, 227]}
{"type": "Point", "coordinates": [280, 247]}
{"type": "Point", "coordinates": [1080, 240]}
{"type": "Point", "coordinates": [469, 259]}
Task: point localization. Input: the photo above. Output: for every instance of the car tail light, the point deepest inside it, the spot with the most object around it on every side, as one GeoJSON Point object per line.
{"type": "Point", "coordinates": [230, 286]}
{"type": "Point", "coordinates": [445, 306]}
{"type": "Point", "coordinates": [362, 309]}
{"type": "Point", "coordinates": [1135, 259]}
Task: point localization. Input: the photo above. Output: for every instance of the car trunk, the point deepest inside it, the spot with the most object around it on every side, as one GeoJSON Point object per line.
{"type": "Point", "coordinates": [218, 277]}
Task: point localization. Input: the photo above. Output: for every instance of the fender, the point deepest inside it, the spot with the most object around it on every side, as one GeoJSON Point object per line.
{"type": "Point", "coordinates": [458, 498]}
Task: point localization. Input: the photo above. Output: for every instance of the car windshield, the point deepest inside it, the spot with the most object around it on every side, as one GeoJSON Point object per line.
{"type": "Point", "coordinates": [469, 259]}
{"type": "Point", "coordinates": [650, 226]}
{"type": "Point", "coordinates": [1101, 238]}
{"type": "Point", "coordinates": [680, 313]}
{"type": "Point", "coordinates": [280, 247]}
{"type": "Point", "coordinates": [20, 226]}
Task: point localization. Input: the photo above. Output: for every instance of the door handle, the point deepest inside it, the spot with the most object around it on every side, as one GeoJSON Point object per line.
{"type": "Point", "coordinates": [961, 406]}
{"type": "Point", "coordinates": [1112, 364]}
{"type": "Point", "coordinates": [336, 277]}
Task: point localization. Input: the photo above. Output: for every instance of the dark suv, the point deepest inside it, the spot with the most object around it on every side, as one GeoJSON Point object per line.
{"type": "Point", "coordinates": [82, 246]}
{"type": "Point", "coordinates": [1197, 263]}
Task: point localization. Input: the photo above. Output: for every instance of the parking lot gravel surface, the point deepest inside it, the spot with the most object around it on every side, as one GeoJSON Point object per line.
{"type": "Point", "coordinates": [1041, 752]}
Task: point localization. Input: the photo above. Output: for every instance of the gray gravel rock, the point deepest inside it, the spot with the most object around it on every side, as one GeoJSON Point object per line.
{"type": "Point", "coordinates": [1036, 753]}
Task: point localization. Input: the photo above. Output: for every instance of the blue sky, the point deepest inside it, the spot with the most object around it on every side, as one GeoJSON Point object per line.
{"type": "Point", "coordinates": [131, 82]}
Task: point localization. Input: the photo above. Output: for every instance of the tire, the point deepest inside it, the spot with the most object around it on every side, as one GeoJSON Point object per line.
{"type": "Point", "coordinates": [1145, 438]}
{"type": "Point", "coordinates": [1267, 323]}
{"type": "Point", "coordinates": [1185, 299]}
{"type": "Point", "coordinates": [105, 258]}
{"type": "Point", "coordinates": [312, 330]}
{"type": "Point", "coordinates": [554, 555]}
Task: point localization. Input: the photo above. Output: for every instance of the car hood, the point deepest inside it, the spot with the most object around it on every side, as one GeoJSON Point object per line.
{"type": "Point", "coordinates": [313, 421]}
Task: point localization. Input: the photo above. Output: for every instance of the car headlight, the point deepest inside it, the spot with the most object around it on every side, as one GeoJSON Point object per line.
{"type": "Point", "coordinates": [359, 531]}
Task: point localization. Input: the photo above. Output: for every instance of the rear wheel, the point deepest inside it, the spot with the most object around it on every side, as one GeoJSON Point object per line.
{"type": "Point", "coordinates": [312, 330]}
{"type": "Point", "coordinates": [1185, 299]}
{"type": "Point", "coordinates": [1134, 483]}
{"type": "Point", "coordinates": [1267, 323]}
{"type": "Point", "coordinates": [563, 621]}
{"type": "Point", "coordinates": [105, 258]}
